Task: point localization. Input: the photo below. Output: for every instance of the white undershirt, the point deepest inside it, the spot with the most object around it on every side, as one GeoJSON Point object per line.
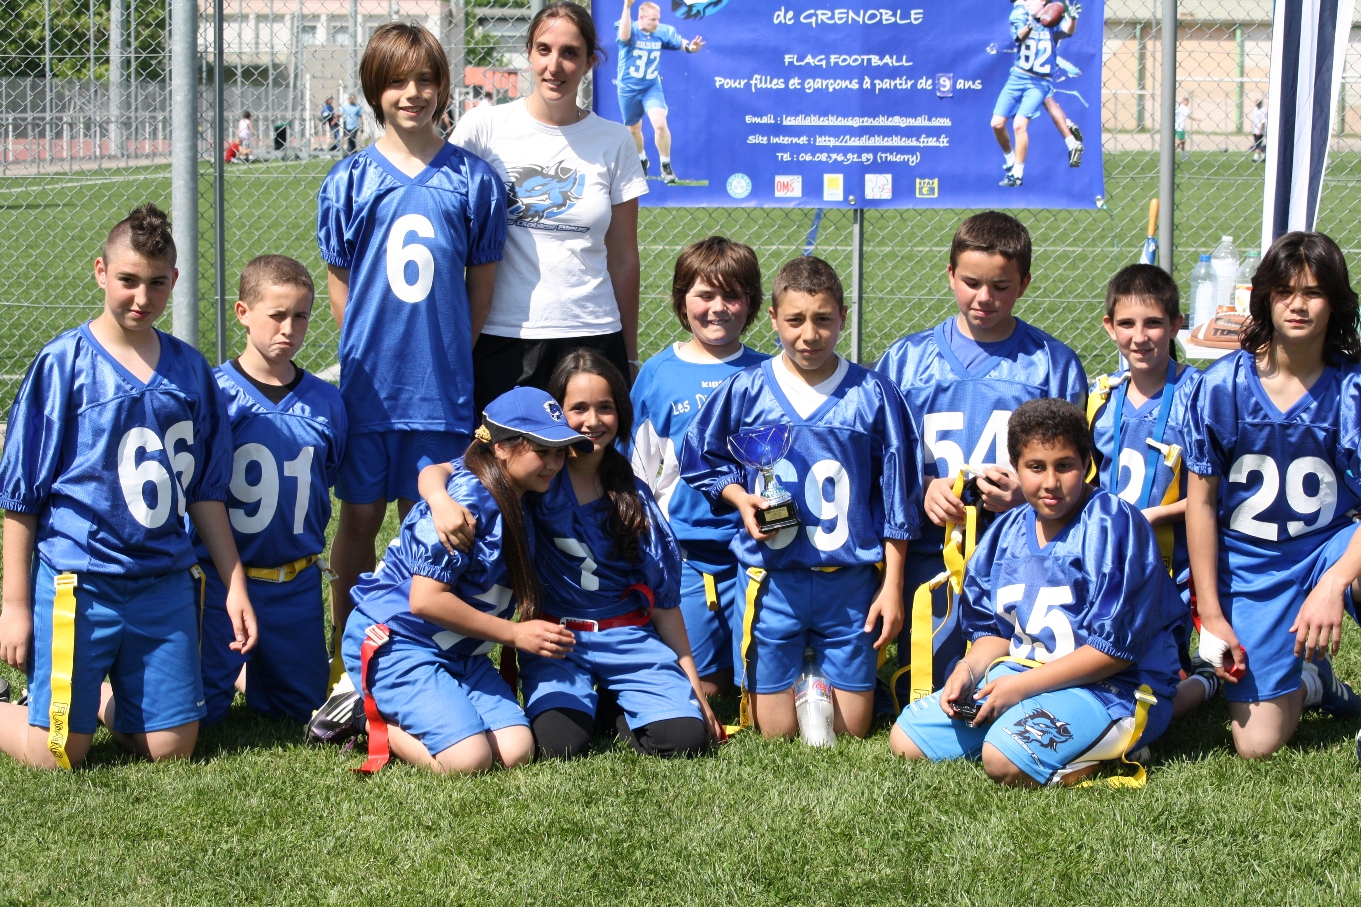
{"type": "Point", "coordinates": [685, 354]}
{"type": "Point", "coordinates": [805, 397]}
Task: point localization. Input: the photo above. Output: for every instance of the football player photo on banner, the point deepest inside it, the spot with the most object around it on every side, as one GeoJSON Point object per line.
{"type": "Point", "coordinates": [874, 104]}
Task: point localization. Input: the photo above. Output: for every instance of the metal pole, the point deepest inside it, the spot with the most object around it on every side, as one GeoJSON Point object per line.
{"type": "Point", "coordinates": [1167, 140]}
{"type": "Point", "coordinates": [353, 76]}
{"type": "Point", "coordinates": [1140, 76]}
{"type": "Point", "coordinates": [47, 73]}
{"type": "Point", "coordinates": [116, 77]}
{"type": "Point", "coordinates": [184, 164]}
{"type": "Point", "coordinates": [857, 281]}
{"type": "Point", "coordinates": [219, 192]}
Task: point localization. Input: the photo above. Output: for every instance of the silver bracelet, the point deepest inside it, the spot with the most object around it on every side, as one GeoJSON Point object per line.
{"type": "Point", "coordinates": [973, 681]}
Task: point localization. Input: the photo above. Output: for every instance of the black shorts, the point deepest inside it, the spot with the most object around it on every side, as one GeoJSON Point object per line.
{"type": "Point", "coordinates": [500, 363]}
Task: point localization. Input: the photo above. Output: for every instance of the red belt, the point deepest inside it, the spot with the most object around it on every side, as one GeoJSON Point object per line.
{"type": "Point", "coordinates": [375, 638]}
{"type": "Point", "coordinates": [632, 619]}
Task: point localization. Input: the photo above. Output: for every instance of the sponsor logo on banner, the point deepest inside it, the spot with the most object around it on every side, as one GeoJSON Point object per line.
{"type": "Point", "coordinates": [833, 187]}
{"type": "Point", "coordinates": [789, 187]}
{"type": "Point", "coordinates": [928, 188]}
{"type": "Point", "coordinates": [739, 185]}
{"type": "Point", "coordinates": [878, 186]}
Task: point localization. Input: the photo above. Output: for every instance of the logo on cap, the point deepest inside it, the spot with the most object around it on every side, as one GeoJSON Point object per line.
{"type": "Point", "coordinates": [554, 411]}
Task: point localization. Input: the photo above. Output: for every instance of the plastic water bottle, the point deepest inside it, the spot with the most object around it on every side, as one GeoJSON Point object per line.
{"type": "Point", "coordinates": [1224, 259]}
{"type": "Point", "coordinates": [813, 704]}
{"type": "Point", "coordinates": [1242, 286]}
{"type": "Point", "coordinates": [1202, 292]}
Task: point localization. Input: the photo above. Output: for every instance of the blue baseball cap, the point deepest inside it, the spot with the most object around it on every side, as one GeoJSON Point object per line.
{"type": "Point", "coordinates": [530, 413]}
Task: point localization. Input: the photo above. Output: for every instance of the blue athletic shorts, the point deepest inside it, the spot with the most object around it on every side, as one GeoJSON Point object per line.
{"type": "Point", "coordinates": [634, 104]}
{"type": "Point", "coordinates": [383, 466]}
{"type": "Point", "coordinates": [631, 662]}
{"type": "Point", "coordinates": [799, 608]}
{"type": "Point", "coordinates": [1046, 736]}
{"type": "Point", "coordinates": [1023, 95]}
{"type": "Point", "coordinates": [140, 632]}
{"type": "Point", "coordinates": [710, 630]}
{"type": "Point", "coordinates": [947, 639]}
{"type": "Point", "coordinates": [435, 697]}
{"type": "Point", "coordinates": [286, 672]}
{"type": "Point", "coordinates": [1265, 613]}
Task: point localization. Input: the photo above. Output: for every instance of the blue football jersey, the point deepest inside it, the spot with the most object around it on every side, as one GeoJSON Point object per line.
{"type": "Point", "coordinates": [963, 413]}
{"type": "Point", "coordinates": [1099, 583]}
{"type": "Point", "coordinates": [478, 577]}
{"type": "Point", "coordinates": [853, 467]}
{"type": "Point", "coordinates": [641, 55]}
{"type": "Point", "coordinates": [108, 463]}
{"type": "Point", "coordinates": [574, 550]}
{"type": "Point", "coordinates": [666, 398]}
{"type": "Point", "coordinates": [406, 341]}
{"type": "Point", "coordinates": [285, 462]}
{"type": "Point", "coordinates": [1035, 55]}
{"type": "Point", "coordinates": [1127, 474]}
{"type": "Point", "coordinates": [1287, 479]}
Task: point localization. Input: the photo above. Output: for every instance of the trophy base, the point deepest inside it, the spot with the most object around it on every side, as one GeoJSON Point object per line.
{"type": "Point", "coordinates": [780, 516]}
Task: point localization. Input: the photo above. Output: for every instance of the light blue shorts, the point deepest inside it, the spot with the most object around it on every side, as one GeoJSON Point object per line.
{"type": "Point", "coordinates": [633, 104]}
{"type": "Point", "coordinates": [287, 671]}
{"type": "Point", "coordinates": [799, 608]}
{"type": "Point", "coordinates": [435, 697]}
{"type": "Point", "coordinates": [1046, 736]}
{"type": "Point", "coordinates": [384, 466]}
{"type": "Point", "coordinates": [1265, 612]}
{"type": "Point", "coordinates": [710, 628]}
{"type": "Point", "coordinates": [631, 662]}
{"type": "Point", "coordinates": [1023, 95]}
{"type": "Point", "coordinates": [140, 632]}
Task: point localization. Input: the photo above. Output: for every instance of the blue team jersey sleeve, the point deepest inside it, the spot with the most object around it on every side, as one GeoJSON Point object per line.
{"type": "Point", "coordinates": [36, 432]}
{"type": "Point", "coordinates": [1069, 378]}
{"type": "Point", "coordinates": [423, 552]}
{"type": "Point", "coordinates": [633, 33]}
{"type": "Point", "coordinates": [706, 463]}
{"type": "Point", "coordinates": [486, 212]}
{"type": "Point", "coordinates": [335, 216]}
{"type": "Point", "coordinates": [901, 480]}
{"type": "Point", "coordinates": [661, 553]}
{"type": "Point", "coordinates": [671, 39]}
{"type": "Point", "coordinates": [1124, 567]}
{"type": "Point", "coordinates": [1211, 421]}
{"type": "Point", "coordinates": [1019, 19]}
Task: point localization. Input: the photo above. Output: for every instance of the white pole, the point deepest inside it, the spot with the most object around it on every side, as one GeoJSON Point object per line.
{"type": "Point", "coordinates": [116, 77]}
{"type": "Point", "coordinates": [184, 164]}
{"type": "Point", "coordinates": [1167, 157]}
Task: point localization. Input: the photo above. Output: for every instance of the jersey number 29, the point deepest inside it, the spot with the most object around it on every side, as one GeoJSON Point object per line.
{"type": "Point", "coordinates": [1323, 502]}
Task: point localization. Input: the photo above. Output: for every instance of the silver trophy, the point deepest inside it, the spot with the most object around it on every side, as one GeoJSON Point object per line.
{"type": "Point", "coordinates": [762, 448]}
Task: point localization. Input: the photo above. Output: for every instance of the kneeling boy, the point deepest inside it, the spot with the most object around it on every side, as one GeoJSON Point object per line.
{"type": "Point", "coordinates": [853, 468]}
{"type": "Point", "coordinates": [1074, 622]}
{"type": "Point", "coordinates": [288, 434]}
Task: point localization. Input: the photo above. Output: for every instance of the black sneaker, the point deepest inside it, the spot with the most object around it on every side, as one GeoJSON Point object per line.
{"type": "Point", "coordinates": [23, 698]}
{"type": "Point", "coordinates": [1011, 181]}
{"type": "Point", "coordinates": [4, 690]}
{"type": "Point", "coordinates": [338, 720]}
{"type": "Point", "coordinates": [1075, 153]}
{"type": "Point", "coordinates": [645, 162]}
{"type": "Point", "coordinates": [668, 175]}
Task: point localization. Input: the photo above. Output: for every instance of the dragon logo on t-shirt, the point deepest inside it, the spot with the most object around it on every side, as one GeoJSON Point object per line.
{"type": "Point", "coordinates": [538, 194]}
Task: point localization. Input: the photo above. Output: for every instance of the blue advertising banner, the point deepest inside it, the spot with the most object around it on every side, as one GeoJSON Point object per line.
{"type": "Point", "coordinates": [768, 103]}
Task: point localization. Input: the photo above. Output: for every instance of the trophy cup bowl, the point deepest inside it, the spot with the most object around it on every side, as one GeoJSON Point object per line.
{"type": "Point", "coordinates": [761, 449]}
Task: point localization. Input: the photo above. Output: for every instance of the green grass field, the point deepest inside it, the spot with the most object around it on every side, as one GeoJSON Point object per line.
{"type": "Point", "coordinates": [258, 818]}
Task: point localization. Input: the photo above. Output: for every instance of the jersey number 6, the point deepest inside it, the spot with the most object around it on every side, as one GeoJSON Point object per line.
{"type": "Point", "coordinates": [399, 255]}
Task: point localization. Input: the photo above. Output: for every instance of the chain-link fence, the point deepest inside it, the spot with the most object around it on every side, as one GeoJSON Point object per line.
{"type": "Point", "coordinates": [85, 136]}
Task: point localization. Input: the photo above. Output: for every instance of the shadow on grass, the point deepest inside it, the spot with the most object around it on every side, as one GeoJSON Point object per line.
{"type": "Point", "coordinates": [1205, 733]}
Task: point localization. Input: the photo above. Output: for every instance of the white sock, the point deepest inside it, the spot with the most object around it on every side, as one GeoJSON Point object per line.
{"type": "Point", "coordinates": [642, 155]}
{"type": "Point", "coordinates": [1070, 142]}
{"type": "Point", "coordinates": [1018, 169]}
{"type": "Point", "coordinates": [1210, 683]}
{"type": "Point", "coordinates": [666, 160]}
{"type": "Point", "coordinates": [1313, 687]}
{"type": "Point", "coordinates": [1010, 158]}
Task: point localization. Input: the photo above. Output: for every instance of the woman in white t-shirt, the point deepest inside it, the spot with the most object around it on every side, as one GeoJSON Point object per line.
{"type": "Point", "coordinates": [570, 273]}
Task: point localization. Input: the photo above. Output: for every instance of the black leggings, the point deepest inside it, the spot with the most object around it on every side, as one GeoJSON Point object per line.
{"type": "Point", "coordinates": [566, 734]}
